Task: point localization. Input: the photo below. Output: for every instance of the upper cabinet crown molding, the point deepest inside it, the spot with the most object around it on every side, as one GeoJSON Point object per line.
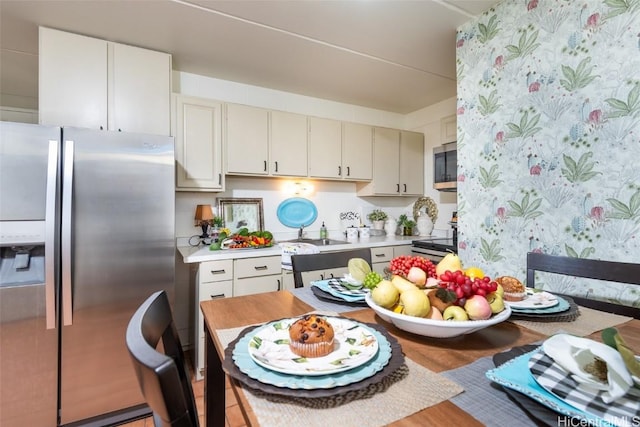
{"type": "Point", "coordinates": [93, 83]}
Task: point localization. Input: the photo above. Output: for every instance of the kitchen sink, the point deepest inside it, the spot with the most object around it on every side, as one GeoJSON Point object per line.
{"type": "Point", "coordinates": [320, 242]}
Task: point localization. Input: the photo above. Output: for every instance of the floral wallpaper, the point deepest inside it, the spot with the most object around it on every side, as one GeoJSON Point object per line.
{"type": "Point", "coordinates": [549, 138]}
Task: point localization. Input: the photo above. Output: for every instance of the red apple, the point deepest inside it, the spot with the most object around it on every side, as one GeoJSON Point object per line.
{"type": "Point", "coordinates": [478, 308]}
{"type": "Point", "coordinates": [417, 276]}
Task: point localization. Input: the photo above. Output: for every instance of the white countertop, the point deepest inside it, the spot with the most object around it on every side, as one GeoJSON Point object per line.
{"type": "Point", "coordinates": [191, 254]}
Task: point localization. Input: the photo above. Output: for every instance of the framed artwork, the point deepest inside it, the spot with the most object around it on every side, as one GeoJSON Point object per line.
{"type": "Point", "coordinates": [239, 213]}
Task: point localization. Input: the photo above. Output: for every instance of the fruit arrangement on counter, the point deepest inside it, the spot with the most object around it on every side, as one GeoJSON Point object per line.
{"type": "Point", "coordinates": [243, 239]}
{"type": "Point", "coordinates": [446, 291]}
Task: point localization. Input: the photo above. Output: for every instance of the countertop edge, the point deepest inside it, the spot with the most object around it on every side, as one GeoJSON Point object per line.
{"type": "Point", "coordinates": [193, 254]}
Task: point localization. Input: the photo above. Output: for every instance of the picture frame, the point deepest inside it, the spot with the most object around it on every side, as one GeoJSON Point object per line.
{"type": "Point", "coordinates": [238, 213]}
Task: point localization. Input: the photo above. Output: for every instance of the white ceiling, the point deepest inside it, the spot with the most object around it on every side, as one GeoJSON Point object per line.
{"type": "Point", "coordinates": [392, 55]}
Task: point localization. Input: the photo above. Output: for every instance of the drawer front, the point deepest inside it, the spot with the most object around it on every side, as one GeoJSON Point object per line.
{"type": "Point", "coordinates": [252, 267]}
{"type": "Point", "coordinates": [216, 271]}
{"type": "Point", "coordinates": [257, 285]}
{"type": "Point", "coordinates": [384, 254]}
{"type": "Point", "coordinates": [208, 291]}
{"type": "Point", "coordinates": [402, 250]}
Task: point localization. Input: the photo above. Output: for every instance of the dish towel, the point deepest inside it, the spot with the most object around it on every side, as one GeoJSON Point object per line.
{"type": "Point", "coordinates": [295, 248]}
{"type": "Point", "coordinates": [583, 358]}
{"type": "Point", "coordinates": [335, 288]}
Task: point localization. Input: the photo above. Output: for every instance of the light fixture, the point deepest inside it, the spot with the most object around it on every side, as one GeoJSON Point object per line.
{"type": "Point", "coordinates": [204, 214]}
{"type": "Point", "coordinates": [298, 188]}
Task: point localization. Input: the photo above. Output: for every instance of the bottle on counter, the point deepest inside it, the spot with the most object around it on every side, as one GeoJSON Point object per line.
{"type": "Point", "coordinates": [323, 231]}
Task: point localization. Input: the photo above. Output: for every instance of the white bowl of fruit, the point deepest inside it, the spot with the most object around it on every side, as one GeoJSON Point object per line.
{"type": "Point", "coordinates": [437, 301]}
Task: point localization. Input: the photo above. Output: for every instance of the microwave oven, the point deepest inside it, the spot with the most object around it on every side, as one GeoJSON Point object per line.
{"type": "Point", "coordinates": [445, 167]}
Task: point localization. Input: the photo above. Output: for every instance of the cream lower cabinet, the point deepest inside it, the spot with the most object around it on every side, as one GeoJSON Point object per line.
{"type": "Point", "coordinates": [198, 138]}
{"type": "Point", "coordinates": [380, 258]}
{"type": "Point", "coordinates": [257, 275]}
{"type": "Point", "coordinates": [214, 280]}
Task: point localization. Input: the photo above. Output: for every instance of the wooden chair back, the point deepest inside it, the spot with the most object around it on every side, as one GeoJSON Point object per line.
{"type": "Point", "coordinates": [620, 272]}
{"type": "Point", "coordinates": [162, 373]}
{"type": "Point", "coordinates": [324, 260]}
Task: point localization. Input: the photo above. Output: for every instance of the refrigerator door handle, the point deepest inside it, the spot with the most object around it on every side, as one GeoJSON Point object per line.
{"type": "Point", "coordinates": [50, 234]}
{"type": "Point", "coordinates": [67, 193]}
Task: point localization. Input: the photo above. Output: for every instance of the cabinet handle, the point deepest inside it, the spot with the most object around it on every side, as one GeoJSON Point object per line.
{"type": "Point", "coordinates": [219, 179]}
{"type": "Point", "coordinates": [218, 271]}
{"type": "Point", "coordinates": [339, 170]}
{"type": "Point", "coordinates": [279, 284]}
{"type": "Point", "coordinates": [217, 296]}
{"type": "Point", "coordinates": [276, 166]}
{"type": "Point", "coordinates": [265, 165]}
{"type": "Point", "coordinates": [321, 276]}
{"type": "Point", "coordinates": [332, 276]}
{"type": "Point", "coordinates": [379, 255]}
{"type": "Point", "coordinates": [397, 188]}
{"type": "Point", "coordinates": [101, 128]}
{"type": "Point", "coordinates": [202, 371]}
{"type": "Point", "coordinates": [405, 188]}
{"type": "Point", "coordinates": [260, 267]}
{"type": "Point", "coordinates": [348, 170]}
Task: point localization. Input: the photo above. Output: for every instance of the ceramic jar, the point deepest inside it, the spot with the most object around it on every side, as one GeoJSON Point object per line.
{"type": "Point", "coordinates": [390, 227]}
{"type": "Point", "coordinates": [425, 225]}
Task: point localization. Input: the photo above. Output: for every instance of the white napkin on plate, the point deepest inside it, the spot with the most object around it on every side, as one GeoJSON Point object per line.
{"type": "Point", "coordinates": [574, 354]}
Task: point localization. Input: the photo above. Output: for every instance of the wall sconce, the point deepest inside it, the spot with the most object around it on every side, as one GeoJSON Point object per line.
{"type": "Point", "coordinates": [299, 188]}
{"type": "Point", "coordinates": [204, 214]}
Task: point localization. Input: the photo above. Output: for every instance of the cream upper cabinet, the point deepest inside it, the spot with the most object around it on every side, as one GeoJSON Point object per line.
{"type": "Point", "coordinates": [325, 148]}
{"type": "Point", "coordinates": [288, 144]}
{"type": "Point", "coordinates": [411, 163]}
{"type": "Point", "coordinates": [198, 137]}
{"type": "Point", "coordinates": [93, 83]}
{"type": "Point", "coordinates": [398, 164]}
{"type": "Point", "coordinates": [448, 129]}
{"type": "Point", "coordinates": [246, 139]}
{"type": "Point", "coordinates": [357, 151]}
{"type": "Point", "coordinates": [72, 80]}
{"type": "Point", "coordinates": [140, 93]}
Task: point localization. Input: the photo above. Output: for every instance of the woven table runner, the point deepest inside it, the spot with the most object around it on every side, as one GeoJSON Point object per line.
{"type": "Point", "coordinates": [418, 390]}
{"type": "Point", "coordinates": [588, 322]}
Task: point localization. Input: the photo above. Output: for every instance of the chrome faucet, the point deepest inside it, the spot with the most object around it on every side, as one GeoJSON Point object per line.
{"type": "Point", "coordinates": [300, 232]}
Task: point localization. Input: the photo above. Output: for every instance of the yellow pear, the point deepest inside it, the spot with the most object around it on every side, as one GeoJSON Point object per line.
{"type": "Point", "coordinates": [402, 284]}
{"type": "Point", "coordinates": [450, 262]}
{"type": "Point", "coordinates": [385, 294]}
{"type": "Point", "coordinates": [414, 303]}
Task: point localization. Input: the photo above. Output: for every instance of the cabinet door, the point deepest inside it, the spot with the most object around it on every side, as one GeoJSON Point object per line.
{"type": "Point", "coordinates": [357, 151]}
{"type": "Point", "coordinates": [412, 163]}
{"type": "Point", "coordinates": [72, 80]}
{"type": "Point", "coordinates": [257, 285]}
{"type": "Point", "coordinates": [288, 142]}
{"type": "Point", "coordinates": [448, 129]}
{"type": "Point", "coordinates": [198, 144]}
{"type": "Point", "coordinates": [325, 148]}
{"type": "Point", "coordinates": [246, 139]}
{"type": "Point", "coordinates": [386, 161]}
{"type": "Point", "coordinates": [140, 90]}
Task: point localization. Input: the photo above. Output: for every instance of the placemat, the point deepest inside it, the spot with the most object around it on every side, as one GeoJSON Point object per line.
{"type": "Point", "coordinates": [306, 294]}
{"type": "Point", "coordinates": [588, 322]}
{"type": "Point", "coordinates": [565, 316]}
{"type": "Point", "coordinates": [484, 400]}
{"type": "Point", "coordinates": [419, 389]}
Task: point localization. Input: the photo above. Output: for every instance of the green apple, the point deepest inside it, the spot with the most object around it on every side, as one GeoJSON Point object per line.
{"type": "Point", "coordinates": [455, 313]}
{"type": "Point", "coordinates": [495, 302]}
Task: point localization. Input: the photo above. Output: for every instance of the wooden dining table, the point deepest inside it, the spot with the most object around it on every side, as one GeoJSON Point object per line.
{"type": "Point", "coordinates": [438, 355]}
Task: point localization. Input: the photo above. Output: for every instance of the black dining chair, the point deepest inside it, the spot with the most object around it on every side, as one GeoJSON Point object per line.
{"type": "Point", "coordinates": [621, 272]}
{"type": "Point", "coordinates": [324, 260]}
{"type": "Point", "coordinates": [159, 364]}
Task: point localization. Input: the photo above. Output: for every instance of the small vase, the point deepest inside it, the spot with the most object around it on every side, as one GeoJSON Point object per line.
{"type": "Point", "coordinates": [425, 225]}
{"type": "Point", "coordinates": [407, 231]}
{"type": "Point", "coordinates": [391, 227]}
{"type": "Point", "coordinates": [378, 225]}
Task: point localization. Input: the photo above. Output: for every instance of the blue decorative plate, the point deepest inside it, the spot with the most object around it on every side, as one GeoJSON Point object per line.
{"type": "Point", "coordinates": [248, 366]}
{"type": "Point", "coordinates": [296, 212]}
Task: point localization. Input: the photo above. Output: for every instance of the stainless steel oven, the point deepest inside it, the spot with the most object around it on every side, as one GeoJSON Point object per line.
{"type": "Point", "coordinates": [433, 249]}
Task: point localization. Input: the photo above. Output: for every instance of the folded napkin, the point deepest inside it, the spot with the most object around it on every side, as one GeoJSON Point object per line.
{"type": "Point", "coordinates": [335, 288]}
{"type": "Point", "coordinates": [584, 359]}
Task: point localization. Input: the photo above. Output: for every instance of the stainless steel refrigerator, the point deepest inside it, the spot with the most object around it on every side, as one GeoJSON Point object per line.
{"type": "Point", "coordinates": [86, 234]}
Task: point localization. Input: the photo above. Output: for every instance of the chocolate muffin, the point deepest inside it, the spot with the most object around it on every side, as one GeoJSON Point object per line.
{"type": "Point", "coordinates": [311, 336]}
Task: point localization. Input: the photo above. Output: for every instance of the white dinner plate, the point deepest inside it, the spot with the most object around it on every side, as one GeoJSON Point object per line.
{"type": "Point", "coordinates": [354, 345]}
{"type": "Point", "coordinates": [535, 299]}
